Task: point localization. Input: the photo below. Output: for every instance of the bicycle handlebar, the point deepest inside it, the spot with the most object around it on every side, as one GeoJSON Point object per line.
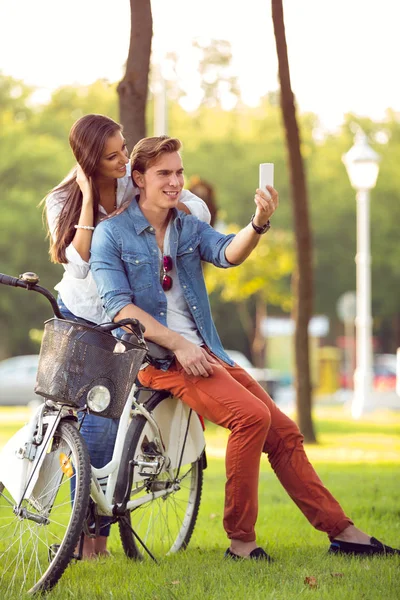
{"type": "Point", "coordinates": [8, 280]}
{"type": "Point", "coordinates": [30, 281]}
{"type": "Point", "coordinates": [134, 325]}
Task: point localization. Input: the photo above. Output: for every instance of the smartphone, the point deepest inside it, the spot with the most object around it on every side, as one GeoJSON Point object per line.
{"type": "Point", "coordinates": [266, 176]}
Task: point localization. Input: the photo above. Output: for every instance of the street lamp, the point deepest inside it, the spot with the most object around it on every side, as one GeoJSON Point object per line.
{"type": "Point", "coordinates": [362, 165]}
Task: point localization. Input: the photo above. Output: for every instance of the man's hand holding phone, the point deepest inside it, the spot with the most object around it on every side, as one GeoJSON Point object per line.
{"type": "Point", "coordinates": [266, 197]}
{"type": "Point", "coordinates": [266, 176]}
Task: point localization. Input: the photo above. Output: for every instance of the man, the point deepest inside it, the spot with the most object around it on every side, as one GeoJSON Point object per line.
{"type": "Point", "coordinates": [147, 266]}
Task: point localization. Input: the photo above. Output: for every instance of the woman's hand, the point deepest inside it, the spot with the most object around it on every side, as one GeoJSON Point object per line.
{"type": "Point", "coordinates": [183, 207]}
{"type": "Point", "coordinates": [84, 184]}
{"type": "Point", "coordinates": [83, 234]}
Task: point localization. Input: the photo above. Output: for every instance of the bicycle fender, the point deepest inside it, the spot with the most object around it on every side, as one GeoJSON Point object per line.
{"type": "Point", "coordinates": [18, 472]}
{"type": "Point", "coordinates": [171, 416]}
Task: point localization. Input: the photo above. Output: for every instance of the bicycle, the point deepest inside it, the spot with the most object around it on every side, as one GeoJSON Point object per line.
{"type": "Point", "coordinates": [152, 486]}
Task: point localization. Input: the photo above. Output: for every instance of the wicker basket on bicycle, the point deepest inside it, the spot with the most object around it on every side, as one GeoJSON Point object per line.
{"type": "Point", "coordinates": [75, 357]}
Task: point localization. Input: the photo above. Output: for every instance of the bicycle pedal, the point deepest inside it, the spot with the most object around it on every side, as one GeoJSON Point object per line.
{"type": "Point", "coordinates": [149, 464]}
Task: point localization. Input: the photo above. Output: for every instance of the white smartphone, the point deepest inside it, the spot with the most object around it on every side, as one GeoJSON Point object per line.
{"type": "Point", "coordinates": [266, 176]}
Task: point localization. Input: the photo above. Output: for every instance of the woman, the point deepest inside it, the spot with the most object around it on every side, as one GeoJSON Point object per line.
{"type": "Point", "coordinates": [99, 187]}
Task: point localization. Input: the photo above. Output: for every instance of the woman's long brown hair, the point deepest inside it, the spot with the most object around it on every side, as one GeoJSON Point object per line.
{"type": "Point", "coordinates": [87, 139]}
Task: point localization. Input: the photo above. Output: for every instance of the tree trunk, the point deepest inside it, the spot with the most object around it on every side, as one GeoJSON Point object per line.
{"type": "Point", "coordinates": [132, 89]}
{"type": "Point", "coordinates": [302, 279]}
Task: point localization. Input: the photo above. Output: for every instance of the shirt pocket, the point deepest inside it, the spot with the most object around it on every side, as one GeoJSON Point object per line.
{"type": "Point", "coordinates": [139, 270]}
{"type": "Point", "coordinates": [188, 255]}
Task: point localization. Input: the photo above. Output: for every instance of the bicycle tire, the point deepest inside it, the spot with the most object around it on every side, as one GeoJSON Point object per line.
{"type": "Point", "coordinates": [153, 521]}
{"type": "Point", "coordinates": [35, 551]}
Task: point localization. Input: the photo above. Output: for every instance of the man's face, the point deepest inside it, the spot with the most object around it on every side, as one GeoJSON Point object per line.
{"type": "Point", "coordinates": [163, 181]}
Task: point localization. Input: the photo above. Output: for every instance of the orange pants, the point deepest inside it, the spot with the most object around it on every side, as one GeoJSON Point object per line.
{"type": "Point", "coordinates": [232, 399]}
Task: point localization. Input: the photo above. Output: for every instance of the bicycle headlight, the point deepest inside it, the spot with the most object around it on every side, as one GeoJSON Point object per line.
{"type": "Point", "coordinates": [98, 398]}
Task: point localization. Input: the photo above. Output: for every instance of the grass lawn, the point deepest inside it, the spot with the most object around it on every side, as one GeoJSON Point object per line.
{"type": "Point", "coordinates": [358, 461]}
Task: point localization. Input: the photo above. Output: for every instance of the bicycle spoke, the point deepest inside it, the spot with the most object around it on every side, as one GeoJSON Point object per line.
{"type": "Point", "coordinates": [27, 558]}
{"type": "Point", "coordinates": [158, 522]}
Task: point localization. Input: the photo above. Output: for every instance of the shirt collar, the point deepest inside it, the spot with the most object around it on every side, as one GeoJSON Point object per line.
{"type": "Point", "coordinates": [140, 223]}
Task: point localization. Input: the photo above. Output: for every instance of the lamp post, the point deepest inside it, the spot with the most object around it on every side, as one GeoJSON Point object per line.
{"type": "Point", "coordinates": [362, 165]}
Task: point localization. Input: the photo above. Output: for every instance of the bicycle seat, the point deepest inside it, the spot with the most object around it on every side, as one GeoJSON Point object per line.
{"type": "Point", "coordinates": [155, 351]}
{"type": "Point", "coordinates": [159, 352]}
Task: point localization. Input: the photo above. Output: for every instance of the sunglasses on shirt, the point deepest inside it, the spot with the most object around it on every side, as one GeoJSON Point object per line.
{"type": "Point", "coordinates": [166, 280]}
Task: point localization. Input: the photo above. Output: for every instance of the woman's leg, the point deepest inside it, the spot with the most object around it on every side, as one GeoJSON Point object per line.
{"type": "Point", "coordinates": [99, 434]}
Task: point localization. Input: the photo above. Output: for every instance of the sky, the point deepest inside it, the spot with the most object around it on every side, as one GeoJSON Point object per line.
{"type": "Point", "coordinates": [343, 54]}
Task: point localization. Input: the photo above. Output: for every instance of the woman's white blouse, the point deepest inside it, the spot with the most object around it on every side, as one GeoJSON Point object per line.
{"type": "Point", "coordinates": [77, 287]}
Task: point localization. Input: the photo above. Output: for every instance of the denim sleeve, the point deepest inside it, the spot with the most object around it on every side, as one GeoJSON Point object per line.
{"type": "Point", "coordinates": [213, 245]}
{"type": "Point", "coordinates": [108, 270]}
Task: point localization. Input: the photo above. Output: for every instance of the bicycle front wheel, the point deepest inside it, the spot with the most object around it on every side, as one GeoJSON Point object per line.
{"type": "Point", "coordinates": [38, 538]}
{"type": "Point", "coordinates": [165, 523]}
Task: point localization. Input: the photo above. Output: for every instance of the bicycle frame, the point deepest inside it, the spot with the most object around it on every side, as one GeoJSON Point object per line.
{"type": "Point", "coordinates": [24, 453]}
{"type": "Point", "coordinates": [22, 456]}
{"type": "Point", "coordinates": [172, 445]}
{"type": "Point", "coordinates": [46, 479]}
{"type": "Point", "coordinates": [179, 439]}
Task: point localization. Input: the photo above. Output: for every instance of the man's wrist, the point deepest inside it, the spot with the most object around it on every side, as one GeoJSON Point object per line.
{"type": "Point", "coordinates": [260, 229]}
{"type": "Point", "coordinates": [175, 341]}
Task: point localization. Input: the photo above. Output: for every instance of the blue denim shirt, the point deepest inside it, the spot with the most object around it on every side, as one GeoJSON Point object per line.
{"type": "Point", "coordinates": [125, 265]}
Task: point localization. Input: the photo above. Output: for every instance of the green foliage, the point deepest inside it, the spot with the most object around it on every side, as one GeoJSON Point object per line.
{"type": "Point", "coordinates": [69, 103]}
{"type": "Point", "coordinates": [223, 147]}
{"type": "Point", "coordinates": [226, 148]}
{"type": "Point", "coordinates": [35, 157]}
{"type": "Point", "coordinates": [265, 278]}
{"type": "Point", "coordinates": [266, 274]}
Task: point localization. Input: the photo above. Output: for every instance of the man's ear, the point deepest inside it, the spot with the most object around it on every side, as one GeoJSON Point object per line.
{"type": "Point", "coordinates": [138, 178]}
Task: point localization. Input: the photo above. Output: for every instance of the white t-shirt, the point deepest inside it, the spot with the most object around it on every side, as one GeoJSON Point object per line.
{"type": "Point", "coordinates": [77, 288]}
{"type": "Point", "coordinates": [179, 317]}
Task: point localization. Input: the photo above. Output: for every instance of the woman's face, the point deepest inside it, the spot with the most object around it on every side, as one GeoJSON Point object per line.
{"type": "Point", "coordinates": [114, 159]}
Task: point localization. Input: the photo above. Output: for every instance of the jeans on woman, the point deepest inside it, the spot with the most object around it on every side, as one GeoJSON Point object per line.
{"type": "Point", "coordinates": [99, 434]}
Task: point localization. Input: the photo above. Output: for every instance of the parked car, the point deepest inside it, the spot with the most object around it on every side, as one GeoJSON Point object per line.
{"type": "Point", "coordinates": [266, 377]}
{"type": "Point", "coordinates": [383, 374]}
{"type": "Point", "coordinates": [17, 380]}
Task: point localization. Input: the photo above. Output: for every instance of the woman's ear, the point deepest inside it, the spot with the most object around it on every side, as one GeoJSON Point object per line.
{"type": "Point", "coordinates": [138, 178]}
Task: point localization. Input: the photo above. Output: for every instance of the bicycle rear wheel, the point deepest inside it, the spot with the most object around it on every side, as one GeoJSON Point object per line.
{"type": "Point", "coordinates": [37, 540]}
{"type": "Point", "coordinates": [165, 524]}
